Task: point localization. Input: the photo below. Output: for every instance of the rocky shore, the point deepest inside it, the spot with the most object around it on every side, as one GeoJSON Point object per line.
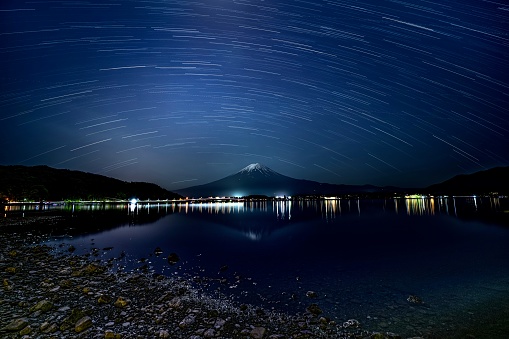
{"type": "Point", "coordinates": [45, 295]}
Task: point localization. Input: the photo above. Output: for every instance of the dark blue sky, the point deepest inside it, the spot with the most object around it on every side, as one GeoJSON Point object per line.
{"type": "Point", "coordinates": [181, 93]}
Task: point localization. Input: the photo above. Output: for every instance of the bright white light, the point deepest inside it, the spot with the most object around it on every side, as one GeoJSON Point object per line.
{"type": "Point", "coordinates": [134, 201]}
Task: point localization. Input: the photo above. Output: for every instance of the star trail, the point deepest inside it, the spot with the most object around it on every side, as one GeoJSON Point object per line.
{"type": "Point", "coordinates": [180, 93]}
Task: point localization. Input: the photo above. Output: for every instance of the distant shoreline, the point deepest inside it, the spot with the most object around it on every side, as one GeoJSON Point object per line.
{"type": "Point", "coordinates": [242, 199]}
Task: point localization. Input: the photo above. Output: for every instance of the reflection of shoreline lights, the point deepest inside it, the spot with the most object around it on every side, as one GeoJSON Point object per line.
{"type": "Point", "coordinates": [330, 207]}
{"type": "Point", "coordinates": [420, 205]}
{"type": "Point", "coordinates": [212, 207]}
{"type": "Point", "coordinates": [283, 208]}
{"type": "Point", "coordinates": [132, 205]}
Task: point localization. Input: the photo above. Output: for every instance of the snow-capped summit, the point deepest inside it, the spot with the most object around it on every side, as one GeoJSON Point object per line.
{"type": "Point", "coordinates": [253, 168]}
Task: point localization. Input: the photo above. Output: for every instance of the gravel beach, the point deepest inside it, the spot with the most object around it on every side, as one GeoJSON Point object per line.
{"type": "Point", "coordinates": [48, 295]}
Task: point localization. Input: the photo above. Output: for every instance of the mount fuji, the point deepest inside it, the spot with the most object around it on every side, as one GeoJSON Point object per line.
{"type": "Point", "coordinates": [258, 179]}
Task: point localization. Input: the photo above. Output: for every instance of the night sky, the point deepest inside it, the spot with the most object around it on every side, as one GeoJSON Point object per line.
{"type": "Point", "coordinates": [181, 93]}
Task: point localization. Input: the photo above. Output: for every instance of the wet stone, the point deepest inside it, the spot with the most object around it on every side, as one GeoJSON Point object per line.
{"type": "Point", "coordinates": [16, 325]}
{"type": "Point", "coordinates": [175, 302]}
{"type": "Point", "coordinates": [71, 320]}
{"type": "Point", "coordinates": [44, 326]}
{"type": "Point", "coordinates": [210, 333]}
{"type": "Point", "coordinates": [66, 283]}
{"type": "Point", "coordinates": [104, 299]}
{"type": "Point", "coordinates": [121, 302]}
{"type": "Point", "coordinates": [82, 324]}
{"type": "Point", "coordinates": [173, 258]}
{"type": "Point", "coordinates": [314, 309]}
{"type": "Point", "coordinates": [311, 294]}
{"type": "Point", "coordinates": [257, 332]}
{"type": "Point", "coordinates": [26, 330]}
{"type": "Point", "coordinates": [188, 320]}
{"type": "Point", "coordinates": [7, 284]}
{"type": "Point", "coordinates": [163, 334]}
{"type": "Point", "coordinates": [351, 323]}
{"type": "Point", "coordinates": [414, 299]}
{"type": "Point", "coordinates": [219, 323]}
{"type": "Point", "coordinates": [51, 329]}
{"type": "Point", "coordinates": [11, 270]}
{"type": "Point", "coordinates": [43, 306]}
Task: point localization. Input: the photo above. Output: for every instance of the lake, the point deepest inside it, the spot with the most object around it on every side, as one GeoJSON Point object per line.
{"type": "Point", "coordinates": [363, 259]}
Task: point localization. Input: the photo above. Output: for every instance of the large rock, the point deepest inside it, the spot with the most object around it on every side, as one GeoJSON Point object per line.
{"type": "Point", "coordinates": [188, 320]}
{"type": "Point", "coordinates": [414, 299]}
{"type": "Point", "coordinates": [66, 283]}
{"type": "Point", "coordinates": [43, 306]}
{"type": "Point", "coordinates": [11, 270]}
{"type": "Point", "coordinates": [121, 302]}
{"type": "Point", "coordinates": [7, 284]}
{"type": "Point", "coordinates": [351, 323]}
{"type": "Point", "coordinates": [51, 329]}
{"type": "Point", "coordinates": [83, 324]}
{"type": "Point", "coordinates": [109, 334]}
{"type": "Point", "coordinates": [27, 330]}
{"type": "Point", "coordinates": [90, 269]}
{"type": "Point", "coordinates": [311, 294]}
{"type": "Point", "coordinates": [314, 309]}
{"type": "Point", "coordinates": [71, 320]}
{"type": "Point", "coordinates": [164, 334]}
{"type": "Point", "coordinates": [257, 332]}
{"type": "Point", "coordinates": [210, 333]}
{"type": "Point", "coordinates": [104, 299]}
{"type": "Point", "coordinates": [176, 302]}
{"type": "Point", "coordinates": [173, 258]}
{"type": "Point", "coordinates": [16, 325]}
{"type": "Point", "coordinates": [219, 323]}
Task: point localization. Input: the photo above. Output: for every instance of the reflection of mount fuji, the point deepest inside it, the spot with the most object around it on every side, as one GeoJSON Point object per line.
{"type": "Point", "coordinates": [261, 220]}
{"type": "Point", "coordinates": [255, 222]}
{"type": "Point", "coordinates": [257, 179]}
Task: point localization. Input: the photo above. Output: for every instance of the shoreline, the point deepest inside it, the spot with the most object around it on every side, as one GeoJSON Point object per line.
{"type": "Point", "coordinates": [46, 288]}
{"type": "Point", "coordinates": [68, 296]}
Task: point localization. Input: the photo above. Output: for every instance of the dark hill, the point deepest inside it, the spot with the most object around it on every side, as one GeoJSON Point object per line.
{"type": "Point", "coordinates": [483, 182]}
{"type": "Point", "coordinates": [40, 183]}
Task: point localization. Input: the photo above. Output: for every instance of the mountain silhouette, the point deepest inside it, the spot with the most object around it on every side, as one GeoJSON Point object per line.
{"type": "Point", "coordinates": [39, 183]}
{"type": "Point", "coordinates": [258, 179]}
{"type": "Point", "coordinates": [482, 182]}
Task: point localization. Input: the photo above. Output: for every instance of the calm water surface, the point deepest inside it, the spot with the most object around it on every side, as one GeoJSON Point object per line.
{"type": "Point", "coordinates": [363, 258]}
